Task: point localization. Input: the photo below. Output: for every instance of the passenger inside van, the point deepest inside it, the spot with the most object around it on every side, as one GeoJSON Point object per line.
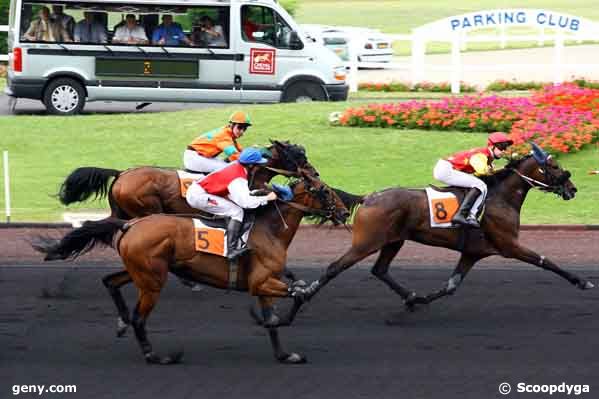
{"type": "Point", "coordinates": [130, 33]}
{"type": "Point", "coordinates": [89, 30]}
{"type": "Point", "coordinates": [44, 29]}
{"type": "Point", "coordinates": [67, 22]}
{"type": "Point", "coordinates": [249, 27]}
{"type": "Point", "coordinates": [208, 34]}
{"type": "Point", "coordinates": [169, 33]}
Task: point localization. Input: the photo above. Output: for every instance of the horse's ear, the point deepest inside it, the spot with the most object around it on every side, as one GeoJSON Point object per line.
{"type": "Point", "coordinates": [539, 154]}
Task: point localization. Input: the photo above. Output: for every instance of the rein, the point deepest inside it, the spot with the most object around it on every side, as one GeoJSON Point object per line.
{"type": "Point", "coordinates": [282, 172]}
{"type": "Point", "coordinates": [307, 209]}
{"type": "Point", "coordinates": [533, 182]}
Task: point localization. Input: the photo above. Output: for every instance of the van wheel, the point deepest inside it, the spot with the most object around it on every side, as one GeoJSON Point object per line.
{"type": "Point", "coordinates": [64, 96]}
{"type": "Point", "coordinates": [304, 92]}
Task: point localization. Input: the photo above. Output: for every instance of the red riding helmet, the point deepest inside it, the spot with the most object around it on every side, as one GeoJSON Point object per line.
{"type": "Point", "coordinates": [499, 138]}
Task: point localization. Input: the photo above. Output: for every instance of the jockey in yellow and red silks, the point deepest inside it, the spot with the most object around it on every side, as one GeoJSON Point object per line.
{"type": "Point", "coordinates": [461, 169]}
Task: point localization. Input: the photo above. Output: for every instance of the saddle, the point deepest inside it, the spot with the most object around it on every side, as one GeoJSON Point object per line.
{"type": "Point", "coordinates": [210, 232]}
{"type": "Point", "coordinates": [186, 178]}
{"type": "Point", "coordinates": [443, 203]}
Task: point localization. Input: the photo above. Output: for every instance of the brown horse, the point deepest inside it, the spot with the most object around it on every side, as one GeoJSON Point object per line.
{"type": "Point", "coordinates": [152, 246]}
{"type": "Point", "coordinates": [388, 218]}
{"type": "Point", "coordinates": [148, 190]}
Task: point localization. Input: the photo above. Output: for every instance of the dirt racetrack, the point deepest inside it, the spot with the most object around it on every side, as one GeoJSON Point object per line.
{"type": "Point", "coordinates": [508, 322]}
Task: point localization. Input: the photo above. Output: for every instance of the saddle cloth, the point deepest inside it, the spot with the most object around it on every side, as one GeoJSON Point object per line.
{"type": "Point", "coordinates": [442, 206]}
{"type": "Point", "coordinates": [186, 178]}
{"type": "Point", "coordinates": [213, 238]}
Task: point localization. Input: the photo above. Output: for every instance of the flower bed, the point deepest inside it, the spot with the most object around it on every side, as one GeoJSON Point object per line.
{"type": "Point", "coordinates": [442, 87]}
{"type": "Point", "coordinates": [560, 118]}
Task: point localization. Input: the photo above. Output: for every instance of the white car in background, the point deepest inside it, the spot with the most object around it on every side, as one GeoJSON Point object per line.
{"type": "Point", "coordinates": [372, 45]}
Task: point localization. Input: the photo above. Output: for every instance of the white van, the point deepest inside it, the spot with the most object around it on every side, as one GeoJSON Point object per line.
{"type": "Point", "coordinates": [67, 52]}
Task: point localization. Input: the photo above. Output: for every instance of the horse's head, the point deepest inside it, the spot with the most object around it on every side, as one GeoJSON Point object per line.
{"type": "Point", "coordinates": [289, 157]}
{"type": "Point", "coordinates": [320, 198]}
{"type": "Point", "coordinates": [546, 171]}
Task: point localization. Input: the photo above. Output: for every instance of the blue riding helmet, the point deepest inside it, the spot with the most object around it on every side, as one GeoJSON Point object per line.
{"type": "Point", "coordinates": [252, 156]}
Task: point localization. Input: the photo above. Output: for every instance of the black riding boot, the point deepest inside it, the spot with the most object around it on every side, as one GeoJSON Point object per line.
{"type": "Point", "coordinates": [463, 215]}
{"type": "Point", "coordinates": [233, 239]}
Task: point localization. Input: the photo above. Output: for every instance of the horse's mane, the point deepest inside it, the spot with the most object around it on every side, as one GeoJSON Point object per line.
{"type": "Point", "coordinates": [501, 175]}
{"type": "Point", "coordinates": [351, 201]}
{"type": "Point", "coordinates": [292, 155]}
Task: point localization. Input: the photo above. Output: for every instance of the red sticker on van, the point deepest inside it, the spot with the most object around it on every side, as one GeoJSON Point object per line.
{"type": "Point", "coordinates": [262, 61]}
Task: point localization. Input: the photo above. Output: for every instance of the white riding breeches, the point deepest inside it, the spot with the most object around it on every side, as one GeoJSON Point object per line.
{"type": "Point", "coordinates": [198, 198]}
{"type": "Point", "coordinates": [193, 161]}
{"type": "Point", "coordinates": [445, 173]}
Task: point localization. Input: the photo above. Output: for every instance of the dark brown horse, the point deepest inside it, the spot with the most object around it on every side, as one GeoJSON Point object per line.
{"type": "Point", "coordinates": [155, 245]}
{"type": "Point", "coordinates": [149, 190]}
{"type": "Point", "coordinates": [388, 218]}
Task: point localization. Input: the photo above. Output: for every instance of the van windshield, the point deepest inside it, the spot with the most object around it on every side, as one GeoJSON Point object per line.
{"type": "Point", "coordinates": [125, 24]}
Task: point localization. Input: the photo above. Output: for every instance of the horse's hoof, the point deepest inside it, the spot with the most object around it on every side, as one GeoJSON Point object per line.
{"type": "Point", "coordinates": [586, 285]}
{"type": "Point", "coordinates": [293, 358]}
{"type": "Point", "coordinates": [299, 283]}
{"type": "Point", "coordinates": [121, 328]}
{"type": "Point", "coordinates": [173, 358]}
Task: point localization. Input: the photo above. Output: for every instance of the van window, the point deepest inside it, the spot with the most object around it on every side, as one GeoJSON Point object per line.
{"type": "Point", "coordinates": [125, 24]}
{"type": "Point", "coordinates": [264, 25]}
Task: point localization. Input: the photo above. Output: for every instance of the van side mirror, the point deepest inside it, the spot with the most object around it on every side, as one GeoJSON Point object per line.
{"type": "Point", "coordinates": [295, 43]}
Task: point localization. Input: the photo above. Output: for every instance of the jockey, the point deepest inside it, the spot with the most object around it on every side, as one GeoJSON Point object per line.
{"type": "Point", "coordinates": [461, 170]}
{"type": "Point", "coordinates": [226, 192]}
{"type": "Point", "coordinates": [200, 155]}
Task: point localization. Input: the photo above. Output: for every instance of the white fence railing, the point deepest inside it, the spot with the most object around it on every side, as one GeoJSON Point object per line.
{"type": "Point", "coordinates": [417, 66]}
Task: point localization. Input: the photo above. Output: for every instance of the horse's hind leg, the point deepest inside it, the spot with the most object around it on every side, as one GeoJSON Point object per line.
{"type": "Point", "coordinates": [350, 258]}
{"type": "Point", "coordinates": [381, 269]}
{"type": "Point", "coordinates": [147, 301]}
{"type": "Point", "coordinates": [113, 283]}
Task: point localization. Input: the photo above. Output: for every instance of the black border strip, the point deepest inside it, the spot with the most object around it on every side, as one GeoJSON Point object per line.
{"type": "Point", "coordinates": [140, 55]}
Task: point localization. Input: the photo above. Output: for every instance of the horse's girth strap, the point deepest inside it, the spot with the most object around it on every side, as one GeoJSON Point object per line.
{"type": "Point", "coordinates": [233, 273]}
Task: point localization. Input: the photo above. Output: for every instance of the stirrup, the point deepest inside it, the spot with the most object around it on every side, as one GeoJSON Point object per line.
{"type": "Point", "coordinates": [471, 220]}
{"type": "Point", "coordinates": [237, 252]}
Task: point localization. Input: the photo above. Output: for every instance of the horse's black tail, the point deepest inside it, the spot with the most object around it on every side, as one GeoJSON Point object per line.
{"type": "Point", "coordinates": [81, 240]}
{"type": "Point", "coordinates": [84, 182]}
{"type": "Point", "coordinates": [351, 201]}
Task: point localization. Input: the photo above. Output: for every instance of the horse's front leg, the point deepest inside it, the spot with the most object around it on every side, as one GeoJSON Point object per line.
{"type": "Point", "coordinates": [270, 323]}
{"type": "Point", "coordinates": [529, 256]}
{"type": "Point", "coordinates": [464, 265]}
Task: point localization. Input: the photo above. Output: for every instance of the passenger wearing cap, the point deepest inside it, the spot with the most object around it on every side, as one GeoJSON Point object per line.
{"type": "Point", "coordinates": [226, 193]}
{"type": "Point", "coordinates": [201, 155]}
{"type": "Point", "coordinates": [461, 170]}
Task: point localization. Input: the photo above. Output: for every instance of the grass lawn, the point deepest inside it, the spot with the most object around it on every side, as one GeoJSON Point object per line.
{"type": "Point", "coordinates": [2, 84]}
{"type": "Point", "coordinates": [401, 16]}
{"type": "Point", "coordinates": [43, 150]}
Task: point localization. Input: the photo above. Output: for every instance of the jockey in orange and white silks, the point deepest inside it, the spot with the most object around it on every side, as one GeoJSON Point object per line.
{"type": "Point", "coordinates": [201, 154]}
{"type": "Point", "coordinates": [461, 170]}
{"type": "Point", "coordinates": [226, 192]}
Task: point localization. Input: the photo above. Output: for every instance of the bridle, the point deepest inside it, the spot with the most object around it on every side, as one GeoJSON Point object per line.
{"type": "Point", "coordinates": [328, 213]}
{"type": "Point", "coordinates": [554, 185]}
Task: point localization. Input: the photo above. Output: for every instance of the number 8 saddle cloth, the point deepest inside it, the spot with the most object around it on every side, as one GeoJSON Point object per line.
{"type": "Point", "coordinates": [442, 206]}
